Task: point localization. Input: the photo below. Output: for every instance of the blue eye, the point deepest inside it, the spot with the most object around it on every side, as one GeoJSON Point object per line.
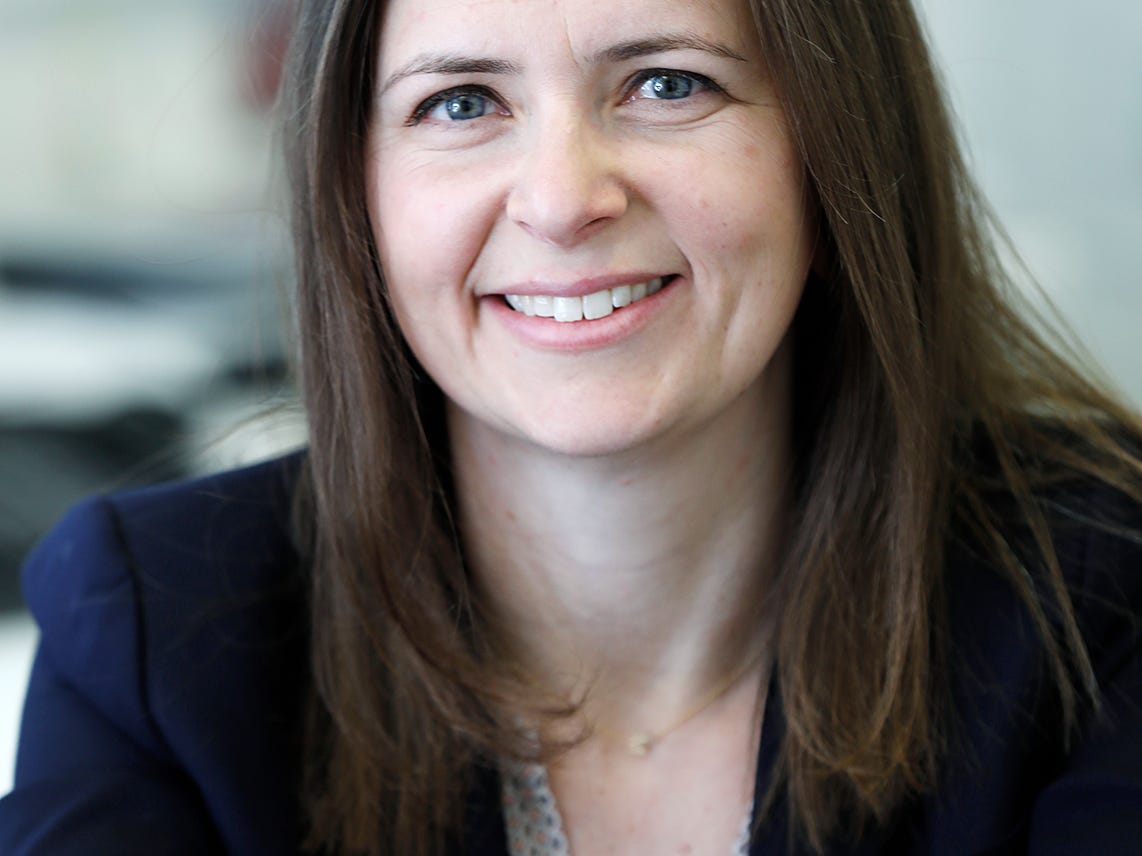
{"type": "Point", "coordinates": [469, 105]}
{"type": "Point", "coordinates": [667, 86]}
{"type": "Point", "coordinates": [664, 84]}
{"type": "Point", "coordinates": [455, 105]}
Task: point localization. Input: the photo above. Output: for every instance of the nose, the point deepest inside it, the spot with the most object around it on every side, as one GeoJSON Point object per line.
{"type": "Point", "coordinates": [566, 186]}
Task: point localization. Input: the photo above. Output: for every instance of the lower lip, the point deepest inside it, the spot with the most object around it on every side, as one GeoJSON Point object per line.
{"type": "Point", "coordinates": [552, 335]}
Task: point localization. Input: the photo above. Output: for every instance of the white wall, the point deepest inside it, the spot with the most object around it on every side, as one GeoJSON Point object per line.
{"type": "Point", "coordinates": [1050, 97]}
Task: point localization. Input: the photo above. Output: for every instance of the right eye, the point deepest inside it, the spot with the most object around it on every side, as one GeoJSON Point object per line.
{"type": "Point", "coordinates": [460, 104]}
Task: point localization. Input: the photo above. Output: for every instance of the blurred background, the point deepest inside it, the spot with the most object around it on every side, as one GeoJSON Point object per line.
{"type": "Point", "coordinates": [144, 275]}
{"type": "Point", "coordinates": [144, 270]}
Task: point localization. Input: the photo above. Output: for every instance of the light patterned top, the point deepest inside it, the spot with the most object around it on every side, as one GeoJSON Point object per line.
{"type": "Point", "coordinates": [534, 827]}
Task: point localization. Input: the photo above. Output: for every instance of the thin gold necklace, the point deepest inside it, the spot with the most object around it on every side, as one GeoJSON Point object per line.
{"type": "Point", "coordinates": [640, 743]}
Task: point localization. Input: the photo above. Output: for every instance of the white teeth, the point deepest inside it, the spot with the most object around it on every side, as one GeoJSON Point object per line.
{"type": "Point", "coordinates": [521, 303]}
{"type": "Point", "coordinates": [568, 308]}
{"type": "Point", "coordinates": [597, 305]}
{"type": "Point", "coordinates": [543, 305]}
{"type": "Point", "coordinates": [591, 306]}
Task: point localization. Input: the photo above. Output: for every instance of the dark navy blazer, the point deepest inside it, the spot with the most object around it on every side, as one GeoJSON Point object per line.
{"type": "Point", "coordinates": [164, 708]}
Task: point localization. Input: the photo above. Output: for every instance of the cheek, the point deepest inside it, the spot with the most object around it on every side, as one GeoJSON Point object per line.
{"type": "Point", "coordinates": [399, 214]}
{"type": "Point", "coordinates": [742, 196]}
{"type": "Point", "coordinates": [746, 222]}
{"type": "Point", "coordinates": [743, 227]}
{"type": "Point", "coordinates": [402, 211]}
{"type": "Point", "coordinates": [427, 224]}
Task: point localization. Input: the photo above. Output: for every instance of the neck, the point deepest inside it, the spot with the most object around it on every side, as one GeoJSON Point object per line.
{"type": "Point", "coordinates": [639, 575]}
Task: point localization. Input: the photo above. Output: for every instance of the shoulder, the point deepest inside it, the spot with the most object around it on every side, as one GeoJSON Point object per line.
{"type": "Point", "coordinates": [1073, 544]}
{"type": "Point", "coordinates": [1072, 506]}
{"type": "Point", "coordinates": [1091, 527]}
{"type": "Point", "coordinates": [138, 576]}
{"type": "Point", "coordinates": [223, 518]}
{"type": "Point", "coordinates": [202, 538]}
{"type": "Point", "coordinates": [1016, 772]}
{"type": "Point", "coordinates": [177, 614]}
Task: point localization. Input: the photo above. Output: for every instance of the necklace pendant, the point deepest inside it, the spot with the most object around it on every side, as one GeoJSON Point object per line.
{"type": "Point", "coordinates": [639, 744]}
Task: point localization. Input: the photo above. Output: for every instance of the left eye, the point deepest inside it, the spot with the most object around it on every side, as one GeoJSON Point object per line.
{"type": "Point", "coordinates": [669, 85]}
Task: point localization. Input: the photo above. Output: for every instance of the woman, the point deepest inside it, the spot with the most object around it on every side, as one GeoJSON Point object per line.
{"type": "Point", "coordinates": [680, 478]}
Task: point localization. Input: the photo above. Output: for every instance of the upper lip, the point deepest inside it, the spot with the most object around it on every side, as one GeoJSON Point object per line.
{"type": "Point", "coordinates": [579, 287]}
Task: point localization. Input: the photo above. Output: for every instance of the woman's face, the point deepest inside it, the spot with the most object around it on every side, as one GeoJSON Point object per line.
{"type": "Point", "coordinates": [570, 157]}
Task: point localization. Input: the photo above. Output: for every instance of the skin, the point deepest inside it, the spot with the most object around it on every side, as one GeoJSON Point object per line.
{"type": "Point", "coordinates": [620, 494]}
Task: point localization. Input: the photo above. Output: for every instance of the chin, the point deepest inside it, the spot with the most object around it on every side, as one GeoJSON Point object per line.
{"type": "Point", "coordinates": [592, 435]}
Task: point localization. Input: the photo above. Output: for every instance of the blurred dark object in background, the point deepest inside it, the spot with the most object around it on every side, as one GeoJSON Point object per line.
{"type": "Point", "coordinates": [45, 469]}
{"type": "Point", "coordinates": [117, 372]}
{"type": "Point", "coordinates": [143, 264]}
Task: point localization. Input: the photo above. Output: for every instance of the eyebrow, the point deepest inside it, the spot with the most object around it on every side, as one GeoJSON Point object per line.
{"type": "Point", "coordinates": [620, 52]}
{"type": "Point", "coordinates": [660, 44]}
{"type": "Point", "coordinates": [449, 64]}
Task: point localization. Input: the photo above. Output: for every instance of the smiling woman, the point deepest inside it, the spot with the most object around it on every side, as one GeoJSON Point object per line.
{"type": "Point", "coordinates": [683, 478]}
{"type": "Point", "coordinates": [560, 171]}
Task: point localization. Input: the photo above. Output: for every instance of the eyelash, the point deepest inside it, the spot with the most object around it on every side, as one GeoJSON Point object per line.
{"type": "Point", "coordinates": [642, 77]}
{"type": "Point", "coordinates": [636, 82]}
{"type": "Point", "coordinates": [432, 101]}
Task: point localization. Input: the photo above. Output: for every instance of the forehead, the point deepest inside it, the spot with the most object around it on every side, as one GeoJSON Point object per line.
{"type": "Point", "coordinates": [547, 29]}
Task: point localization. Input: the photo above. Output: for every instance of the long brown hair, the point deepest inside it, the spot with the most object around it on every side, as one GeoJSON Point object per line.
{"type": "Point", "coordinates": [912, 352]}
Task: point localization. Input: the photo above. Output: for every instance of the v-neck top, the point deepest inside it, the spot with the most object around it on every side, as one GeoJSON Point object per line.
{"type": "Point", "coordinates": [532, 822]}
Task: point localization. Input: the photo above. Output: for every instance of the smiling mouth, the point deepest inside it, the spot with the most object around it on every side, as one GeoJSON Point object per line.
{"type": "Point", "coordinates": [589, 307]}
